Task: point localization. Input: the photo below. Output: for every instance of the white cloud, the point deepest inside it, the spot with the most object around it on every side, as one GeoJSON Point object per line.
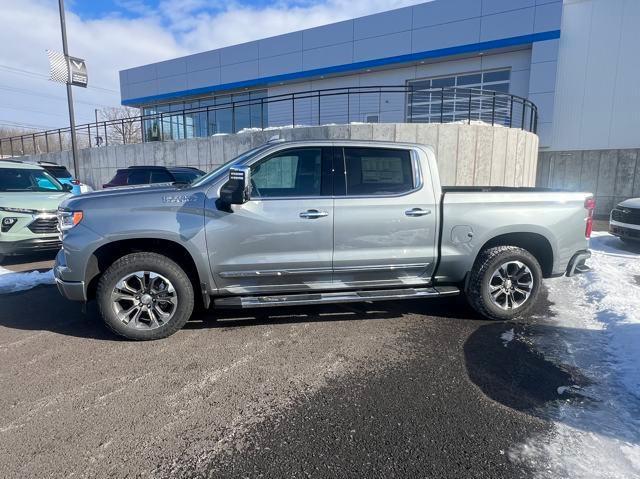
{"type": "Point", "coordinates": [114, 43]}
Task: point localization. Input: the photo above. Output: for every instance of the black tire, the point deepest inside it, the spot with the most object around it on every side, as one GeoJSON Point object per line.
{"type": "Point", "coordinates": [156, 263]}
{"type": "Point", "coordinates": [486, 264]}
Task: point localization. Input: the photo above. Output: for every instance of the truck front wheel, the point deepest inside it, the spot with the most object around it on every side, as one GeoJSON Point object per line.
{"type": "Point", "coordinates": [504, 282]}
{"type": "Point", "coordinates": [145, 296]}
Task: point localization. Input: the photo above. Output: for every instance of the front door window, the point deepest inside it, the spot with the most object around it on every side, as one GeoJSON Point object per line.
{"type": "Point", "coordinates": [292, 173]}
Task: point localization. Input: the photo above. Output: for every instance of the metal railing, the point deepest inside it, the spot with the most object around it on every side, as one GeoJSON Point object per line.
{"type": "Point", "coordinates": [315, 107]}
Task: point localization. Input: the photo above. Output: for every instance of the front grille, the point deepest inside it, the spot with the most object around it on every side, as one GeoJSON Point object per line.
{"type": "Point", "coordinates": [630, 216]}
{"type": "Point", "coordinates": [625, 232]}
{"type": "Point", "coordinates": [44, 226]}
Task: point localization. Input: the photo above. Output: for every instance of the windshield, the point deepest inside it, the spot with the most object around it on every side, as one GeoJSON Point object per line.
{"type": "Point", "coordinates": [22, 179]}
{"type": "Point", "coordinates": [228, 164]}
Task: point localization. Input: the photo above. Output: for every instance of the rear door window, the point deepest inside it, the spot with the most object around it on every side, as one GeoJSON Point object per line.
{"type": "Point", "coordinates": [378, 171]}
{"type": "Point", "coordinates": [161, 176]}
{"type": "Point", "coordinates": [138, 177]}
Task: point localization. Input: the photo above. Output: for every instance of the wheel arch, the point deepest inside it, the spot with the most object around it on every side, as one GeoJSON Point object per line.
{"type": "Point", "coordinates": [535, 243]}
{"type": "Point", "coordinates": [105, 255]}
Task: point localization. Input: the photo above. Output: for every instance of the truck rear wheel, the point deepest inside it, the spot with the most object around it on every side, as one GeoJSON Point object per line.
{"type": "Point", "coordinates": [144, 296]}
{"type": "Point", "coordinates": [504, 282]}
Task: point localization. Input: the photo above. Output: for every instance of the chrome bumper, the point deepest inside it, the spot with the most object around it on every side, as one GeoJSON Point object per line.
{"type": "Point", "coordinates": [577, 263]}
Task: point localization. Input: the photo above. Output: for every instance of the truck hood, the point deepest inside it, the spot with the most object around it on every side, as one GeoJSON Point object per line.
{"type": "Point", "coordinates": [111, 194]}
{"type": "Point", "coordinates": [630, 203]}
{"type": "Point", "coordinates": [38, 201]}
{"type": "Point", "coordinates": [131, 190]}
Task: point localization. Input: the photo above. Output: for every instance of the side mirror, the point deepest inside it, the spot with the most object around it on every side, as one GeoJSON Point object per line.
{"type": "Point", "coordinates": [237, 189]}
{"type": "Point", "coordinates": [67, 187]}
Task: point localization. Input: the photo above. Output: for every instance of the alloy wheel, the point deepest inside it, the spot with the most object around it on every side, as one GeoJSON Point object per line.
{"type": "Point", "coordinates": [144, 300]}
{"type": "Point", "coordinates": [510, 285]}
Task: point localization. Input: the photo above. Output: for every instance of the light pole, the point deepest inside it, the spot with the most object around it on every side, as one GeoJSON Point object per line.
{"type": "Point", "coordinates": [72, 120]}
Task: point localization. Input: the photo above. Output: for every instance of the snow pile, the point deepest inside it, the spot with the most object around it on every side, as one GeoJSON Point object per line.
{"type": "Point", "coordinates": [596, 328]}
{"type": "Point", "coordinates": [478, 123]}
{"type": "Point", "coordinates": [507, 337]}
{"type": "Point", "coordinates": [11, 282]}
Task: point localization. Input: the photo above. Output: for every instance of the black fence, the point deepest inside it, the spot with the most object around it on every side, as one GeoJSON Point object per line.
{"type": "Point", "coordinates": [371, 104]}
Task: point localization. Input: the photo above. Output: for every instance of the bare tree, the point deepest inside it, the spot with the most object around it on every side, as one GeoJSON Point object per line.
{"type": "Point", "coordinates": [15, 141]}
{"type": "Point", "coordinates": [123, 124]}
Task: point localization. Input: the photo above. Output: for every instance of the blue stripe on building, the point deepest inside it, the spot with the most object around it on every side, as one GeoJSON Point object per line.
{"type": "Point", "coordinates": [351, 67]}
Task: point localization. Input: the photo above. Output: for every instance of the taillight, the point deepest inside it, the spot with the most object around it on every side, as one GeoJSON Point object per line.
{"type": "Point", "coordinates": [590, 206]}
{"type": "Point", "coordinates": [75, 182]}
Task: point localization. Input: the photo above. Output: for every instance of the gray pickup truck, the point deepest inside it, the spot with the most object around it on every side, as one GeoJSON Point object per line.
{"type": "Point", "coordinates": [310, 222]}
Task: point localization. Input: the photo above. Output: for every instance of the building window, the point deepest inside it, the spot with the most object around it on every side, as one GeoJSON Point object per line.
{"type": "Point", "coordinates": [459, 97]}
{"type": "Point", "coordinates": [205, 116]}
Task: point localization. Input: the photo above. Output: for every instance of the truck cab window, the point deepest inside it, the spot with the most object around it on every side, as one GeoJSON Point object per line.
{"type": "Point", "coordinates": [377, 171]}
{"type": "Point", "coordinates": [296, 172]}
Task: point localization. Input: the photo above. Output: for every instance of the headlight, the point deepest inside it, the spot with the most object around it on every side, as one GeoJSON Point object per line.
{"type": "Point", "coordinates": [68, 219]}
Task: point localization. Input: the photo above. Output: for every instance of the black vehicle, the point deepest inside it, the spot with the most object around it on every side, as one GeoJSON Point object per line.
{"type": "Point", "coordinates": [144, 175]}
{"type": "Point", "coordinates": [624, 221]}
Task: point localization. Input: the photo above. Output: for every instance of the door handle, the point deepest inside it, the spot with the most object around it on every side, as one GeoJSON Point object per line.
{"type": "Point", "coordinates": [312, 214]}
{"type": "Point", "coordinates": [417, 212]}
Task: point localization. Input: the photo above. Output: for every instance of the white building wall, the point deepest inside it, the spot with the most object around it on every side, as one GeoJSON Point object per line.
{"type": "Point", "coordinates": [390, 105]}
{"type": "Point", "coordinates": [597, 94]}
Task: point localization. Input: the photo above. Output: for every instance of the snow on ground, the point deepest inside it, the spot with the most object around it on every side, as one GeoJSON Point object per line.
{"type": "Point", "coordinates": [596, 328]}
{"type": "Point", "coordinates": [507, 337]}
{"type": "Point", "coordinates": [11, 282]}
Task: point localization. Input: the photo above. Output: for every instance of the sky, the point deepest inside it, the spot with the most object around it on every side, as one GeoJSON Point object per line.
{"type": "Point", "coordinates": [112, 35]}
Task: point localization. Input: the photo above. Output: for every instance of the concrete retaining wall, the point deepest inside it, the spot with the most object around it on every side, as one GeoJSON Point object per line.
{"type": "Point", "coordinates": [611, 175]}
{"type": "Point", "coordinates": [467, 154]}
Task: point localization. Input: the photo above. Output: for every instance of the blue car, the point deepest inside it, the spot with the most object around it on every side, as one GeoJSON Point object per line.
{"type": "Point", "coordinates": [61, 174]}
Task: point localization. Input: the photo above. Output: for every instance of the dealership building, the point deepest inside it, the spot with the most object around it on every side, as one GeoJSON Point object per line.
{"type": "Point", "coordinates": [576, 60]}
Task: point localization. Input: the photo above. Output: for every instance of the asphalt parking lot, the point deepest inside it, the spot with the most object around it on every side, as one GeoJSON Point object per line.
{"type": "Point", "coordinates": [420, 388]}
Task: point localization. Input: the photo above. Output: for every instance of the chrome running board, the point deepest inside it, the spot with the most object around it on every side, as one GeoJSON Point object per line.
{"type": "Point", "coordinates": [334, 297]}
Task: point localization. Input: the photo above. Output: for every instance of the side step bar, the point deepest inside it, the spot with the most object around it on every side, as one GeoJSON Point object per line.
{"type": "Point", "coordinates": [334, 297]}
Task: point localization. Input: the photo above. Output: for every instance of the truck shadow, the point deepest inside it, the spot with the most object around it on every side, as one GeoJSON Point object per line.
{"type": "Point", "coordinates": [42, 309]}
{"type": "Point", "coordinates": [504, 361]}
{"type": "Point", "coordinates": [454, 308]}
{"type": "Point", "coordinates": [507, 368]}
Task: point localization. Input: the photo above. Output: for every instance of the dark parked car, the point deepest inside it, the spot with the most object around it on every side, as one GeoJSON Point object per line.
{"type": "Point", "coordinates": [144, 175]}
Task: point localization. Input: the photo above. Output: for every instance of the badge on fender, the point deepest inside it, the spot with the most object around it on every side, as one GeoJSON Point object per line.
{"type": "Point", "coordinates": [178, 199]}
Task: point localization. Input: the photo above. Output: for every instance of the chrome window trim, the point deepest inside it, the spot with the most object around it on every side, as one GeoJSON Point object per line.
{"type": "Point", "coordinates": [418, 180]}
{"type": "Point", "coordinates": [274, 148]}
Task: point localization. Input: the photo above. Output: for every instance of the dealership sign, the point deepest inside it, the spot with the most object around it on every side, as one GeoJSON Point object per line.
{"type": "Point", "coordinates": [69, 70]}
